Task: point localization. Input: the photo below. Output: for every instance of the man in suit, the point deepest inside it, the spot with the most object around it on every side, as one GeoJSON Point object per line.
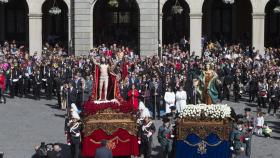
{"type": "Point", "coordinates": [14, 78]}
{"type": "Point", "coordinates": [156, 95]}
{"type": "Point", "coordinates": [78, 86]}
{"type": "Point", "coordinates": [37, 84]}
{"type": "Point", "coordinates": [49, 76]}
{"type": "Point", "coordinates": [103, 151]}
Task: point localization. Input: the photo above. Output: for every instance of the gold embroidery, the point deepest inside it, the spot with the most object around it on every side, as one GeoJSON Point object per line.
{"type": "Point", "coordinates": [112, 143]}
{"type": "Point", "coordinates": [201, 146]}
{"type": "Point", "coordinates": [110, 121]}
{"type": "Point", "coordinates": [203, 128]}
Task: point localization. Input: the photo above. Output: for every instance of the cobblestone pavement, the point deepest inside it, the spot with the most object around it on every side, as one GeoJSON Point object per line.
{"type": "Point", "coordinates": [26, 122]}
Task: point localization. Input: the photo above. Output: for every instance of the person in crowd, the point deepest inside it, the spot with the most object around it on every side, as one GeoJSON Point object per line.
{"type": "Point", "coordinates": [75, 131]}
{"type": "Point", "coordinates": [236, 90]}
{"type": "Point", "coordinates": [103, 151]}
{"type": "Point", "coordinates": [181, 99]}
{"type": "Point", "coordinates": [248, 121]}
{"type": "Point", "coordinates": [259, 122]}
{"type": "Point", "coordinates": [253, 87]}
{"type": "Point", "coordinates": [133, 95]}
{"type": "Point", "coordinates": [2, 87]}
{"type": "Point", "coordinates": [169, 98]}
{"type": "Point", "coordinates": [262, 93]}
{"type": "Point", "coordinates": [274, 97]}
{"type": "Point", "coordinates": [165, 137]}
{"type": "Point", "coordinates": [14, 78]}
{"type": "Point", "coordinates": [156, 95]}
{"type": "Point", "coordinates": [37, 85]}
{"type": "Point", "coordinates": [145, 136]}
{"type": "Point", "coordinates": [237, 137]}
{"type": "Point", "coordinates": [266, 131]}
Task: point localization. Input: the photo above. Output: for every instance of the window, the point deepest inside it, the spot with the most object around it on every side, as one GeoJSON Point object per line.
{"type": "Point", "coordinates": [120, 17]}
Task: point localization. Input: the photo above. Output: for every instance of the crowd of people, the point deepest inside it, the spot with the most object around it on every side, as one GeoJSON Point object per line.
{"type": "Point", "coordinates": [161, 83]}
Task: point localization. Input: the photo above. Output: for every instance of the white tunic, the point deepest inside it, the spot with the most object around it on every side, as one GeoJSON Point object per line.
{"type": "Point", "coordinates": [169, 98]}
{"type": "Point", "coordinates": [181, 100]}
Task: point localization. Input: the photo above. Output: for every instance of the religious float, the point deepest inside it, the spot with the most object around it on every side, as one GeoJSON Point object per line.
{"type": "Point", "coordinates": [203, 131]}
{"type": "Point", "coordinates": [108, 117]}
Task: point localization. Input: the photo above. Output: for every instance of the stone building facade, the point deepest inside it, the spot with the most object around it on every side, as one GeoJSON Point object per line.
{"type": "Point", "coordinates": [199, 21]}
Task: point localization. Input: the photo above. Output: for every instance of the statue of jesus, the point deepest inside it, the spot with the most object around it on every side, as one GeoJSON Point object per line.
{"type": "Point", "coordinates": [104, 77]}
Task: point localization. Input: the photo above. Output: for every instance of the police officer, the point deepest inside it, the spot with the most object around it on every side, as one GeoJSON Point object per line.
{"type": "Point", "coordinates": [147, 129]}
{"type": "Point", "coordinates": [248, 120]}
{"type": "Point", "coordinates": [165, 137]}
{"type": "Point", "coordinates": [172, 116]}
{"type": "Point", "coordinates": [75, 128]}
{"type": "Point", "coordinates": [237, 137]}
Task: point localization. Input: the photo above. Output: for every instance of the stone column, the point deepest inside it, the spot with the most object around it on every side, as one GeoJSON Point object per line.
{"type": "Point", "coordinates": [35, 33]}
{"type": "Point", "coordinates": [195, 33]}
{"type": "Point", "coordinates": [69, 33]}
{"type": "Point", "coordinates": [160, 35]}
{"type": "Point", "coordinates": [258, 31]}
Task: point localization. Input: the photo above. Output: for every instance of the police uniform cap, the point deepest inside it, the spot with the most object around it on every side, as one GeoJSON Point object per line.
{"type": "Point", "coordinates": [165, 119]}
{"type": "Point", "coordinates": [247, 109]}
{"type": "Point", "coordinates": [239, 116]}
{"type": "Point", "coordinates": [172, 107]}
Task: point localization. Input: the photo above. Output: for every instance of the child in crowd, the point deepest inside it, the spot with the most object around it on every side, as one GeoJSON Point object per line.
{"type": "Point", "coordinates": [259, 122]}
{"type": "Point", "coordinates": [266, 131]}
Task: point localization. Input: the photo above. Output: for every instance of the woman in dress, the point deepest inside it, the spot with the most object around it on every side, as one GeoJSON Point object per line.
{"type": "Point", "coordinates": [208, 80]}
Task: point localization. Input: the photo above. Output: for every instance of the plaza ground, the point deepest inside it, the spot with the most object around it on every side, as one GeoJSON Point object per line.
{"type": "Point", "coordinates": [24, 123]}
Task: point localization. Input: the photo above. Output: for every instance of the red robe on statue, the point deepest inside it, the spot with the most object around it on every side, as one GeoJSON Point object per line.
{"type": "Point", "coordinates": [133, 95]}
{"type": "Point", "coordinates": [113, 91]}
{"type": "Point", "coordinates": [124, 68]}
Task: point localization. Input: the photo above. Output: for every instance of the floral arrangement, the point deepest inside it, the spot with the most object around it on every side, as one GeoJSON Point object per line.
{"type": "Point", "coordinates": [217, 111]}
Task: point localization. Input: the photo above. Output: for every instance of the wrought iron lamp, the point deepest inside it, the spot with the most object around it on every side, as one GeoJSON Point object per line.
{"type": "Point", "coordinates": [54, 9]}
{"type": "Point", "coordinates": [177, 9]}
{"type": "Point", "coordinates": [277, 8]}
{"type": "Point", "coordinates": [4, 1]}
{"type": "Point", "coordinates": [228, 1]}
{"type": "Point", "coordinates": [114, 3]}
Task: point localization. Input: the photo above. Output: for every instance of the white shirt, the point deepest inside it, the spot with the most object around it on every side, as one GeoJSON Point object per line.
{"type": "Point", "coordinates": [260, 121]}
{"type": "Point", "coordinates": [169, 98]}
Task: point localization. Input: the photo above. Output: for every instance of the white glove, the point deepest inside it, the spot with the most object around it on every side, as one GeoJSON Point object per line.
{"type": "Point", "coordinates": [172, 136]}
{"type": "Point", "coordinates": [149, 134]}
{"type": "Point", "coordinates": [247, 139]}
{"type": "Point", "coordinates": [139, 142]}
{"type": "Point", "coordinates": [231, 148]}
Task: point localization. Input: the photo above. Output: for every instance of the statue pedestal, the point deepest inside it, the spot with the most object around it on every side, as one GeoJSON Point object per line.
{"type": "Point", "coordinates": [203, 138]}
{"type": "Point", "coordinates": [113, 122]}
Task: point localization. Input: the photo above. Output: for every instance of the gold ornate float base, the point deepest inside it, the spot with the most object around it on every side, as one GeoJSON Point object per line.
{"type": "Point", "coordinates": [203, 127]}
{"type": "Point", "coordinates": [110, 121]}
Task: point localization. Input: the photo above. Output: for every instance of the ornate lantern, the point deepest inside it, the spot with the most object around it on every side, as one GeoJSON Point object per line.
{"type": "Point", "coordinates": [4, 1]}
{"type": "Point", "coordinates": [177, 9]}
{"type": "Point", "coordinates": [228, 1]}
{"type": "Point", "coordinates": [55, 10]}
{"type": "Point", "coordinates": [277, 8]}
{"type": "Point", "coordinates": [114, 3]}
